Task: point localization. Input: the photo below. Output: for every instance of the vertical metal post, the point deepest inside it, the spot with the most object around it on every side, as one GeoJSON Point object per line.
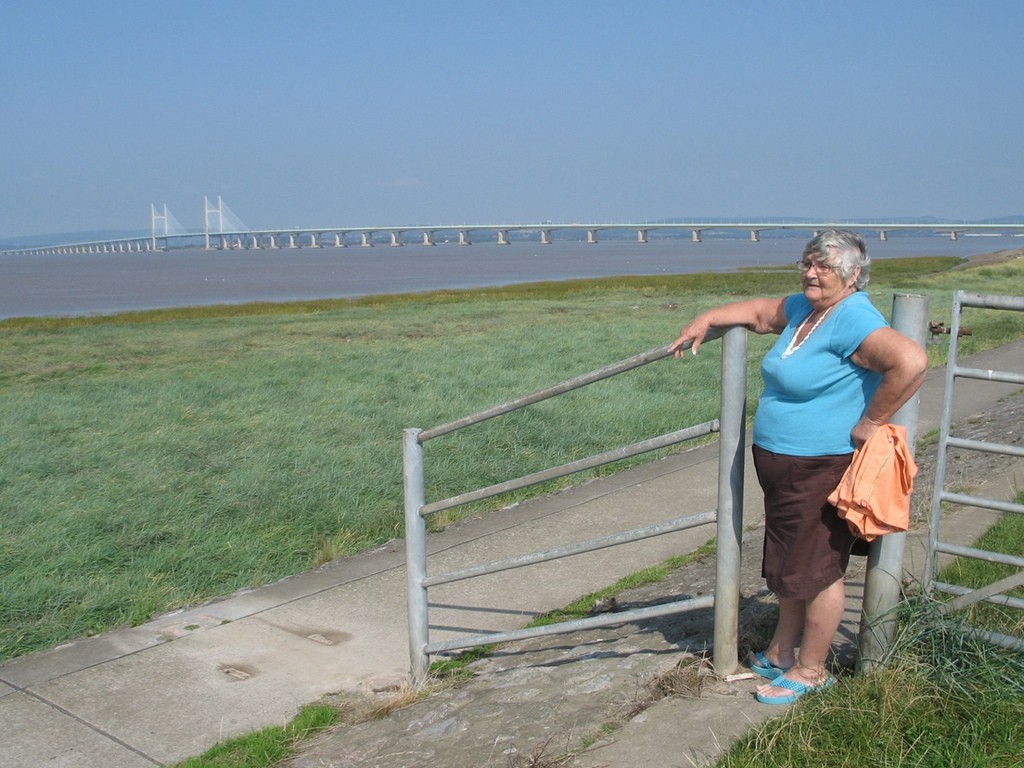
{"type": "Point", "coordinates": [883, 582]}
{"type": "Point", "coordinates": [944, 429]}
{"type": "Point", "coordinates": [415, 553]}
{"type": "Point", "coordinates": [731, 446]}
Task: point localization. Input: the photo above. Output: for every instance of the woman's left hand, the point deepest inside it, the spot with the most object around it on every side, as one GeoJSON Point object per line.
{"type": "Point", "coordinates": [863, 430]}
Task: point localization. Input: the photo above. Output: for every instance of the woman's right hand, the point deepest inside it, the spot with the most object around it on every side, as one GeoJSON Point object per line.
{"type": "Point", "coordinates": [693, 332]}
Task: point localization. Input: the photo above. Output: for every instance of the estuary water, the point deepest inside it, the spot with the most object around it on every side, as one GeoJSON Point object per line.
{"type": "Point", "coordinates": [106, 283]}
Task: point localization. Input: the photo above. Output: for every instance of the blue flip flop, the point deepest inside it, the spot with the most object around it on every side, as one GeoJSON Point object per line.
{"type": "Point", "coordinates": [760, 665]}
{"type": "Point", "coordinates": [798, 689]}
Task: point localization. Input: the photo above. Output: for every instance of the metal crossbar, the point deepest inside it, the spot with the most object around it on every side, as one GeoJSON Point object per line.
{"type": "Point", "coordinates": [591, 622]}
{"type": "Point", "coordinates": [599, 460]}
{"type": "Point", "coordinates": [593, 545]}
{"type": "Point", "coordinates": [996, 592]}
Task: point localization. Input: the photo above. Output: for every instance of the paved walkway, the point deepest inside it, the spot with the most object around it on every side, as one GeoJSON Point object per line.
{"type": "Point", "coordinates": [161, 692]}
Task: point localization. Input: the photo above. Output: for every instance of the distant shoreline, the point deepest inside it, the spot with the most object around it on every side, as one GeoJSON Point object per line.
{"type": "Point", "coordinates": [993, 257]}
{"type": "Point", "coordinates": [110, 283]}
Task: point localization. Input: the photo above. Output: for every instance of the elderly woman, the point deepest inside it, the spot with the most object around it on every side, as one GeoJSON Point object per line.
{"type": "Point", "coordinates": [836, 374]}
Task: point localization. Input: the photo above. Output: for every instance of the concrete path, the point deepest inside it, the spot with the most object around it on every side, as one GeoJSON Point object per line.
{"type": "Point", "coordinates": [164, 691]}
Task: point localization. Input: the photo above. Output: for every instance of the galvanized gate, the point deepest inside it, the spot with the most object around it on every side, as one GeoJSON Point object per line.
{"type": "Point", "coordinates": [727, 517]}
{"type": "Point", "coordinates": [961, 503]}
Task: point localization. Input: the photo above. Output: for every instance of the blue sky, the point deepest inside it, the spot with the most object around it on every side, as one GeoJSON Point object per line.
{"type": "Point", "coordinates": [333, 113]}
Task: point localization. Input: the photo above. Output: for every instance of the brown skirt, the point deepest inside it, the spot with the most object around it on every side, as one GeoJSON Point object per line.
{"type": "Point", "coordinates": [806, 544]}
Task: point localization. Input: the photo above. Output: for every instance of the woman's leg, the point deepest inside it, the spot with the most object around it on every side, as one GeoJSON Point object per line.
{"type": "Point", "coordinates": [782, 650]}
{"type": "Point", "coordinates": [822, 617]}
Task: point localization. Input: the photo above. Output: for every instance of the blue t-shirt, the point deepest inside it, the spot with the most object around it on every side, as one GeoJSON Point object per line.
{"type": "Point", "coordinates": [814, 397]}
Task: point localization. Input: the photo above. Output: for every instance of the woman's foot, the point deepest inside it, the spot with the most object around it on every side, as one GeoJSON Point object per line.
{"type": "Point", "coordinates": [762, 664]}
{"type": "Point", "coordinates": [788, 687]}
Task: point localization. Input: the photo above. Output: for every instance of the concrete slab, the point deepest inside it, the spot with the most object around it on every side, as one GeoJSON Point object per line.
{"type": "Point", "coordinates": [35, 734]}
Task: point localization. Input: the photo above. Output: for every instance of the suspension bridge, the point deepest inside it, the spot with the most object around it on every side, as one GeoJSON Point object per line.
{"type": "Point", "coordinates": [223, 230]}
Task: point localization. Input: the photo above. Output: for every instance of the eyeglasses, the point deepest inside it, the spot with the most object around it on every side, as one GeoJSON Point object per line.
{"type": "Point", "coordinates": [821, 269]}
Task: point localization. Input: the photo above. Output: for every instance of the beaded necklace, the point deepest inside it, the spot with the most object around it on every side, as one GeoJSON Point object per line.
{"type": "Point", "coordinates": [793, 347]}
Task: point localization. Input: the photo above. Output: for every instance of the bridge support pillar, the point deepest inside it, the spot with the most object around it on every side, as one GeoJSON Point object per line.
{"type": "Point", "coordinates": [339, 240]}
{"type": "Point", "coordinates": [883, 235]}
{"type": "Point", "coordinates": [291, 242]}
{"type": "Point", "coordinates": [641, 235]}
{"type": "Point", "coordinates": [502, 237]}
{"type": "Point", "coordinates": [695, 235]}
{"type": "Point", "coordinates": [591, 236]}
{"type": "Point", "coordinates": [314, 241]}
{"type": "Point", "coordinates": [755, 236]}
{"type": "Point", "coordinates": [272, 241]}
{"type": "Point", "coordinates": [367, 239]}
{"type": "Point", "coordinates": [954, 235]}
{"type": "Point", "coordinates": [396, 239]}
{"type": "Point", "coordinates": [464, 237]}
{"type": "Point", "coordinates": [428, 238]}
{"type": "Point", "coordinates": [545, 237]}
{"type": "Point", "coordinates": [254, 243]}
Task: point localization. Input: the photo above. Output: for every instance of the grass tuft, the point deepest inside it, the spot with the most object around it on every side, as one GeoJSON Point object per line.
{"type": "Point", "coordinates": [268, 747]}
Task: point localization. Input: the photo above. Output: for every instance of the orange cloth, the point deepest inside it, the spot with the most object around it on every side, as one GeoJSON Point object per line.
{"type": "Point", "coordinates": [874, 494]}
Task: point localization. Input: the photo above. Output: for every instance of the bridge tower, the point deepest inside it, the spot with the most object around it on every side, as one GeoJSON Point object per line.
{"type": "Point", "coordinates": [154, 216]}
{"type": "Point", "coordinates": [207, 210]}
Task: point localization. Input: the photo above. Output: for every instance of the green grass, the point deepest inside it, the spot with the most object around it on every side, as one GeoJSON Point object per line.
{"type": "Point", "coordinates": [157, 459]}
{"type": "Point", "coordinates": [267, 747]}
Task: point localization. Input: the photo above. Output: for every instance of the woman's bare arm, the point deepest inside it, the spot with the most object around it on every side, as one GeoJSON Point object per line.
{"type": "Point", "coordinates": [903, 365]}
{"type": "Point", "coordinates": [758, 315]}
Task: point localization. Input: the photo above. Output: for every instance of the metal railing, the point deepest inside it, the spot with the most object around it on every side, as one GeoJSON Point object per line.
{"type": "Point", "coordinates": [728, 516]}
{"type": "Point", "coordinates": [992, 593]}
{"type": "Point", "coordinates": [882, 583]}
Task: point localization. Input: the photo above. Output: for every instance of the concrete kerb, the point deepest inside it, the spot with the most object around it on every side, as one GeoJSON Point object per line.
{"type": "Point", "coordinates": [169, 689]}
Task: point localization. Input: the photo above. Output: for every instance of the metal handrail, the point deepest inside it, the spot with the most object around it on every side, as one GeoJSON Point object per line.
{"type": "Point", "coordinates": [569, 385]}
